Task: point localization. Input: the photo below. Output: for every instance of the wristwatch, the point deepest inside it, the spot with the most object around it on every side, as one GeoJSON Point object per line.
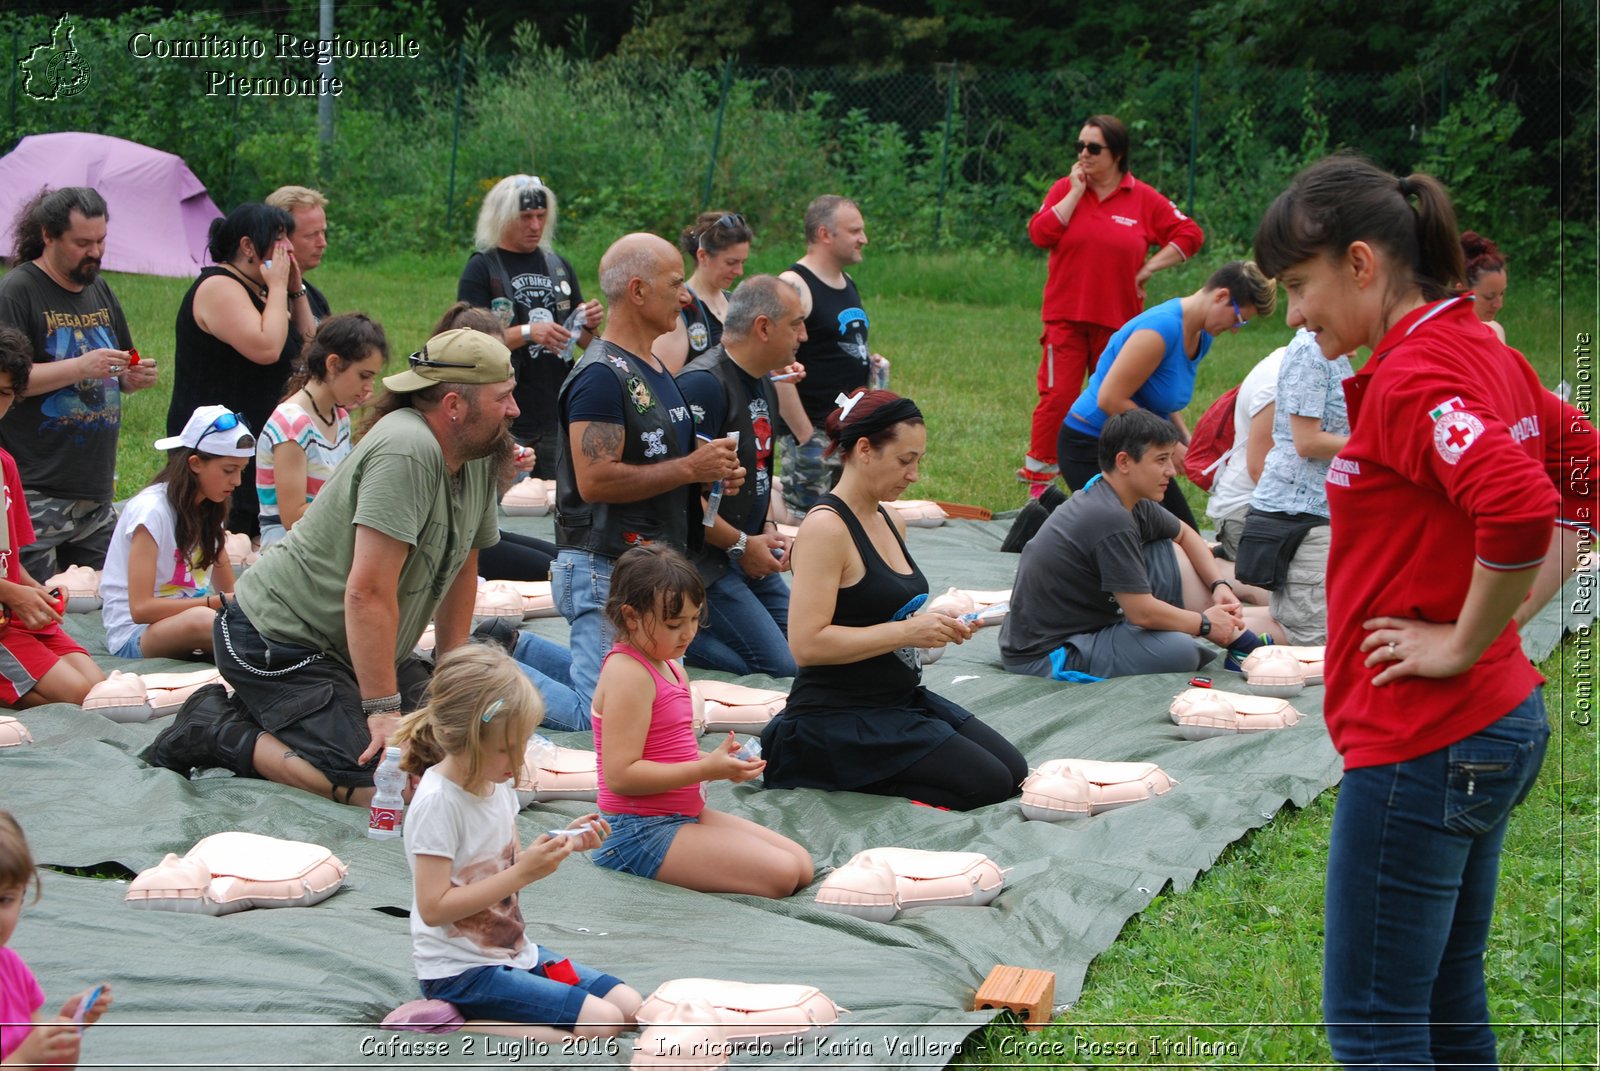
{"type": "Point", "coordinates": [527, 332]}
{"type": "Point", "coordinates": [1205, 626]}
{"type": "Point", "coordinates": [736, 551]}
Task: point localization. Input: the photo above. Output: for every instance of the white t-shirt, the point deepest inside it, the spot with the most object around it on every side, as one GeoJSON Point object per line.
{"type": "Point", "coordinates": [176, 576]}
{"type": "Point", "coordinates": [1230, 492]}
{"type": "Point", "coordinates": [478, 834]}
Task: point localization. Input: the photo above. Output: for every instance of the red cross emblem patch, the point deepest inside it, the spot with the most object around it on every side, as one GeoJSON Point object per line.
{"type": "Point", "coordinates": [1454, 432]}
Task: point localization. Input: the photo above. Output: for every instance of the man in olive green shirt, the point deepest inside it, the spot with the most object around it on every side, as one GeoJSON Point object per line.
{"type": "Point", "coordinates": [318, 645]}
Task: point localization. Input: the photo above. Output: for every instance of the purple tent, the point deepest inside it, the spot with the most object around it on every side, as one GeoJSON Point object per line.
{"type": "Point", "coordinates": [159, 210]}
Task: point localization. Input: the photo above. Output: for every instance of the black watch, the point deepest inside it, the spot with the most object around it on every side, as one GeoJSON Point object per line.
{"type": "Point", "coordinates": [1205, 626]}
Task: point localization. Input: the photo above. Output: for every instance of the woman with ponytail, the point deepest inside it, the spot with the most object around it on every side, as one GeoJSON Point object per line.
{"type": "Point", "coordinates": [1441, 510]}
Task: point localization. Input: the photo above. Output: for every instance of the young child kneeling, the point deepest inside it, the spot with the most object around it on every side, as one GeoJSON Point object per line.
{"type": "Point", "coordinates": [652, 774]}
{"type": "Point", "coordinates": [467, 935]}
{"type": "Point", "coordinates": [166, 572]}
{"type": "Point", "coordinates": [41, 664]}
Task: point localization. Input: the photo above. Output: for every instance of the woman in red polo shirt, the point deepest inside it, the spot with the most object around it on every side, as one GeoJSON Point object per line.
{"type": "Point", "coordinates": [1100, 261]}
{"type": "Point", "coordinates": [1441, 512]}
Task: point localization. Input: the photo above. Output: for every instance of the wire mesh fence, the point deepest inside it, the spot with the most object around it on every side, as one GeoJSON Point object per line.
{"type": "Point", "coordinates": [950, 155]}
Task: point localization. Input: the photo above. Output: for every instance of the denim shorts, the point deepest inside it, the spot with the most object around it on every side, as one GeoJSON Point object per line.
{"type": "Point", "coordinates": [518, 994]}
{"type": "Point", "coordinates": [132, 648]}
{"type": "Point", "coordinates": [638, 842]}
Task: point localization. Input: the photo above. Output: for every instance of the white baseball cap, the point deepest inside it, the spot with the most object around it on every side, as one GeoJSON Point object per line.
{"type": "Point", "coordinates": [215, 430]}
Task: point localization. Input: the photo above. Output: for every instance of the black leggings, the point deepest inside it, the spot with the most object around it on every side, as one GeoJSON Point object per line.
{"type": "Point", "coordinates": [1079, 457]}
{"type": "Point", "coordinates": [974, 768]}
{"type": "Point", "coordinates": [517, 557]}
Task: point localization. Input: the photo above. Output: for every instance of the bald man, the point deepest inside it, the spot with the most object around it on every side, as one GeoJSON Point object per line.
{"type": "Point", "coordinates": [630, 469]}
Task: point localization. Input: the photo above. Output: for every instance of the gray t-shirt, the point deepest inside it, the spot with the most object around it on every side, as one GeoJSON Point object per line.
{"type": "Point", "coordinates": [65, 442]}
{"type": "Point", "coordinates": [1090, 548]}
{"type": "Point", "coordinates": [396, 482]}
{"type": "Point", "coordinates": [1309, 385]}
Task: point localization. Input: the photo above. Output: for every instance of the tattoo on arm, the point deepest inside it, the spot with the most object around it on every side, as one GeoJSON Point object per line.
{"type": "Point", "coordinates": [602, 442]}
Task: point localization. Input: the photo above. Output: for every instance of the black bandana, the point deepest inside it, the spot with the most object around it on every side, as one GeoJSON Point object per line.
{"type": "Point", "coordinates": [885, 416]}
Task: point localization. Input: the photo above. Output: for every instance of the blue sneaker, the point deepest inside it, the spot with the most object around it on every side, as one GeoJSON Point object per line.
{"type": "Point", "coordinates": [1236, 656]}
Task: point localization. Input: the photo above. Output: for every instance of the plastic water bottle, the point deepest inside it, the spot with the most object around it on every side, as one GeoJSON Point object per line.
{"type": "Point", "coordinates": [714, 499]}
{"type": "Point", "coordinates": [575, 323]}
{"type": "Point", "coordinates": [388, 817]}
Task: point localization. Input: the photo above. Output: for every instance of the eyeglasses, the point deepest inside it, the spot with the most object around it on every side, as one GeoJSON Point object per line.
{"type": "Point", "coordinates": [421, 358]}
{"type": "Point", "coordinates": [1238, 317]}
{"type": "Point", "coordinates": [1094, 148]}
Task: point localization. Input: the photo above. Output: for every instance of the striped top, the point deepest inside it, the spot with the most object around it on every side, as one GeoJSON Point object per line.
{"type": "Point", "coordinates": [291, 423]}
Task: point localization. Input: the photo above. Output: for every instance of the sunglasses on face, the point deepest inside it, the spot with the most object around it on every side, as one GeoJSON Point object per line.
{"type": "Point", "coordinates": [1094, 148]}
{"type": "Point", "coordinates": [1238, 317]}
{"type": "Point", "coordinates": [421, 358]}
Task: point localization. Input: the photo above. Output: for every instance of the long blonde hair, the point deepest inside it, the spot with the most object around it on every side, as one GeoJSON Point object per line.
{"type": "Point", "coordinates": [474, 687]}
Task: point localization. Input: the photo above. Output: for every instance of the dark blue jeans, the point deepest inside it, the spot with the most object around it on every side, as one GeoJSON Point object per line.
{"type": "Point", "coordinates": [1412, 867]}
{"type": "Point", "coordinates": [747, 625]}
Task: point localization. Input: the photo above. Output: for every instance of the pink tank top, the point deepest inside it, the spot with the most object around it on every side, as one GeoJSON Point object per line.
{"type": "Point", "coordinates": [670, 739]}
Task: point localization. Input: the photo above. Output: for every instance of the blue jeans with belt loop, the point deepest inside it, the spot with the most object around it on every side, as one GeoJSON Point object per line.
{"type": "Point", "coordinates": [1412, 866]}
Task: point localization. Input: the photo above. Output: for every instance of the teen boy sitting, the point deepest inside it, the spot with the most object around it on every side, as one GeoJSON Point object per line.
{"type": "Point", "coordinates": [1099, 590]}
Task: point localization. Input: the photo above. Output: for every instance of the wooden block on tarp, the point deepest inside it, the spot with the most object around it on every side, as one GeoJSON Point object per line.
{"type": "Point", "coordinates": [1027, 992]}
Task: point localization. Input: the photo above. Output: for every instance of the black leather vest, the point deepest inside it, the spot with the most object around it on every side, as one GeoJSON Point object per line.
{"type": "Point", "coordinates": [735, 509]}
{"type": "Point", "coordinates": [610, 528]}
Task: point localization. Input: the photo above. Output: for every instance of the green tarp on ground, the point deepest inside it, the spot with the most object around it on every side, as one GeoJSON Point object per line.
{"type": "Point", "coordinates": [307, 987]}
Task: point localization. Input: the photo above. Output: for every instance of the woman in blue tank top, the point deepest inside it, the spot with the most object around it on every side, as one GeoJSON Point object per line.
{"type": "Point", "coordinates": [1150, 364]}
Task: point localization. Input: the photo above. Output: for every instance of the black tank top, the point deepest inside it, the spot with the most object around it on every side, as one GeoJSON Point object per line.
{"type": "Point", "coordinates": [872, 600]}
{"type": "Point", "coordinates": [705, 330]}
{"type": "Point", "coordinates": [208, 371]}
{"type": "Point", "coordinates": [835, 351]}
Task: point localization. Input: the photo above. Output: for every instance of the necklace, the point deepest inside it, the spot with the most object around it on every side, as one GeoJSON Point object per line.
{"type": "Point", "coordinates": [246, 280]}
{"type": "Point", "coordinates": [331, 420]}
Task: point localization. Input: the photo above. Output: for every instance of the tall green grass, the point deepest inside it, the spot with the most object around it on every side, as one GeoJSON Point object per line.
{"type": "Point", "coordinates": [1238, 954]}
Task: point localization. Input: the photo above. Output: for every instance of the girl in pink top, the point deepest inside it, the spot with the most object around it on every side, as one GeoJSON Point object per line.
{"type": "Point", "coordinates": [652, 774]}
{"type": "Point", "coordinates": [37, 1041]}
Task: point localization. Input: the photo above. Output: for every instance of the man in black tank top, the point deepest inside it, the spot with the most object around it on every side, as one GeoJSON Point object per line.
{"type": "Point", "coordinates": [836, 353]}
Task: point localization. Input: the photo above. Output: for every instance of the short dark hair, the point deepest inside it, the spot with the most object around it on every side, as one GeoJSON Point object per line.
{"type": "Point", "coordinates": [1132, 433]}
{"type": "Point", "coordinates": [16, 357]}
{"type": "Point", "coordinates": [49, 213]}
{"type": "Point", "coordinates": [1345, 198]}
{"type": "Point", "coordinates": [262, 224]}
{"type": "Point", "coordinates": [644, 572]}
{"type": "Point", "coordinates": [821, 213]}
{"type": "Point", "coordinates": [1115, 131]}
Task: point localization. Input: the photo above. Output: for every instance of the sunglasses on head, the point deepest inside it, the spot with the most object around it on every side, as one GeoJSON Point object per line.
{"type": "Point", "coordinates": [421, 358]}
{"type": "Point", "coordinates": [223, 422]}
{"type": "Point", "coordinates": [728, 221]}
{"type": "Point", "coordinates": [1095, 148]}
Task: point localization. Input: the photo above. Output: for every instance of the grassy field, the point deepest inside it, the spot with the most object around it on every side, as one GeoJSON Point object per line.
{"type": "Point", "coordinates": [1237, 958]}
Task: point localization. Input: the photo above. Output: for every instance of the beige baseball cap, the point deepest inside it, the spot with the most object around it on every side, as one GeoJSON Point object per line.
{"type": "Point", "coordinates": [461, 355]}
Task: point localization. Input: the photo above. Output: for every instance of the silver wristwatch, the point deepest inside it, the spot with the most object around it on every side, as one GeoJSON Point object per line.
{"type": "Point", "coordinates": [736, 551]}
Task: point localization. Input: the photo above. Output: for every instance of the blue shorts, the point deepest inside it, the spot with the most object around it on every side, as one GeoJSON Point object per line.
{"type": "Point", "coordinates": [131, 649]}
{"type": "Point", "coordinates": [520, 995]}
{"type": "Point", "coordinates": [638, 843]}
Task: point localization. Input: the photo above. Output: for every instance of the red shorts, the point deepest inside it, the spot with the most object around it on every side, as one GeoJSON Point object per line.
{"type": "Point", "coordinates": [26, 656]}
